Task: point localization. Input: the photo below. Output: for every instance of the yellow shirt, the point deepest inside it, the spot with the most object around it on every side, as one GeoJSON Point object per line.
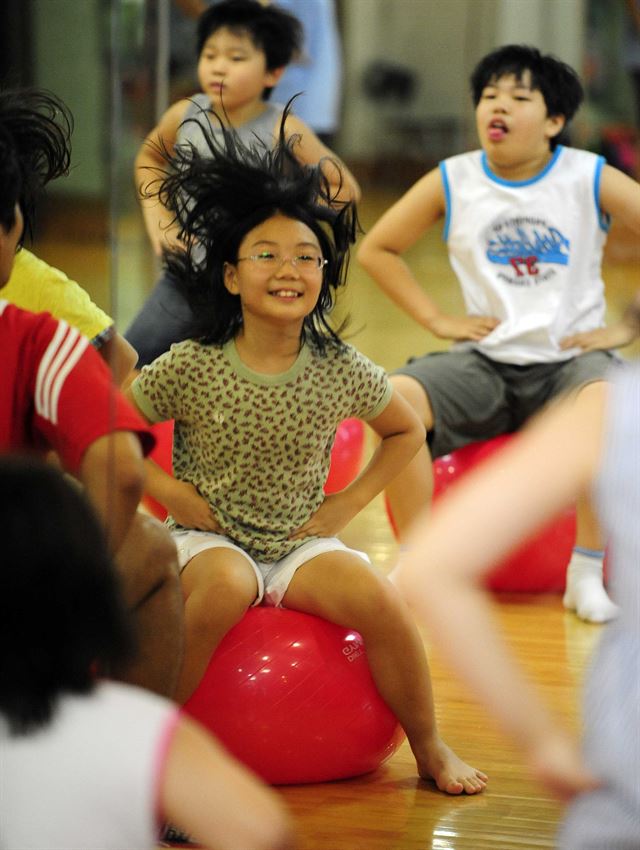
{"type": "Point", "coordinates": [34, 285]}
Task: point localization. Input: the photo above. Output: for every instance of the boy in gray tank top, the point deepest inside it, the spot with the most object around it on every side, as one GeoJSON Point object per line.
{"type": "Point", "coordinates": [243, 49]}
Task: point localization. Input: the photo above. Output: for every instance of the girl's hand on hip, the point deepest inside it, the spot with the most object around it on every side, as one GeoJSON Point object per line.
{"type": "Point", "coordinates": [330, 518]}
{"type": "Point", "coordinates": [191, 510]}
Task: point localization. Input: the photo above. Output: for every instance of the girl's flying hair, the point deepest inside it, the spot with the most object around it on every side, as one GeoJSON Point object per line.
{"type": "Point", "coordinates": [60, 602]}
{"type": "Point", "coordinates": [219, 197]}
{"type": "Point", "coordinates": [39, 125]}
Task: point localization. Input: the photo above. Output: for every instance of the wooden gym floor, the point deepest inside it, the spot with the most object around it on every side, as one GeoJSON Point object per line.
{"type": "Point", "coordinates": [391, 809]}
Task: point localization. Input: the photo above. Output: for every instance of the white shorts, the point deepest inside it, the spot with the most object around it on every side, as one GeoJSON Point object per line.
{"type": "Point", "coordinates": [273, 578]}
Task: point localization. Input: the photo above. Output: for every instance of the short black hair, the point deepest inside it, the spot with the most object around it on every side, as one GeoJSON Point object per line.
{"type": "Point", "coordinates": [61, 606]}
{"type": "Point", "coordinates": [39, 125]}
{"type": "Point", "coordinates": [278, 34]}
{"type": "Point", "coordinates": [219, 197]}
{"type": "Point", "coordinates": [558, 83]}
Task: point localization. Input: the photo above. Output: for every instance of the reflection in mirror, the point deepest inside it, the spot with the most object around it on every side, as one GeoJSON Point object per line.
{"type": "Point", "coordinates": [139, 60]}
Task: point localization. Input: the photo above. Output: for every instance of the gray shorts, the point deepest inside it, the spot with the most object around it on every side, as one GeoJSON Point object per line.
{"type": "Point", "coordinates": [273, 578]}
{"type": "Point", "coordinates": [475, 398]}
{"type": "Point", "coordinates": [164, 318]}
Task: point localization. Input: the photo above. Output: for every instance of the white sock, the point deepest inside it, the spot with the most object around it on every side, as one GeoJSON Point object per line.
{"type": "Point", "coordinates": [585, 593]}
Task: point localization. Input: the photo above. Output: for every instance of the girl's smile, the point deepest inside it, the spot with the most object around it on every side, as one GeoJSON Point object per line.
{"type": "Point", "coordinates": [286, 293]}
{"type": "Point", "coordinates": [279, 265]}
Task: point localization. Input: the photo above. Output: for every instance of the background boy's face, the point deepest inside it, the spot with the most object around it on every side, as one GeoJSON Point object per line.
{"type": "Point", "coordinates": [511, 118]}
{"type": "Point", "coordinates": [8, 243]}
{"type": "Point", "coordinates": [232, 70]}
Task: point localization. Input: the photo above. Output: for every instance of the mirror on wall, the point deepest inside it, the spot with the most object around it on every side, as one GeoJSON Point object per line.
{"type": "Point", "coordinates": [138, 95]}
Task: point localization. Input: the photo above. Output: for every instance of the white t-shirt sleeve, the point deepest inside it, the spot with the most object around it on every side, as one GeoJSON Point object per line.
{"type": "Point", "coordinates": [90, 779]}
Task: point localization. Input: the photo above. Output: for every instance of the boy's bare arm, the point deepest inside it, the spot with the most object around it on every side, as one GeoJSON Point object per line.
{"type": "Point", "coordinates": [380, 254]}
{"type": "Point", "coordinates": [619, 198]}
{"type": "Point", "coordinates": [617, 335]}
{"type": "Point", "coordinates": [112, 473]}
{"type": "Point", "coordinates": [148, 169]}
{"type": "Point", "coordinates": [309, 149]}
{"type": "Point", "coordinates": [120, 357]}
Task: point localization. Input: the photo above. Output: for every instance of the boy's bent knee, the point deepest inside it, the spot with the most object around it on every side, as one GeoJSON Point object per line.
{"type": "Point", "coordinates": [413, 392]}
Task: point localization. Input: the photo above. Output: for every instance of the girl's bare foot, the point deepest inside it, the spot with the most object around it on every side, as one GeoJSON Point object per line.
{"type": "Point", "coordinates": [450, 773]}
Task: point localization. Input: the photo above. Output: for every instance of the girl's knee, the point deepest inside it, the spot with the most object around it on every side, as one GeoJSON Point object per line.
{"type": "Point", "coordinates": [219, 605]}
{"type": "Point", "coordinates": [342, 588]}
{"type": "Point", "coordinates": [220, 581]}
{"type": "Point", "coordinates": [375, 604]}
{"type": "Point", "coordinates": [386, 603]}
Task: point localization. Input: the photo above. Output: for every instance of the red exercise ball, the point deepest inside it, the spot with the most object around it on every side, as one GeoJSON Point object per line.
{"type": "Point", "coordinates": [292, 697]}
{"type": "Point", "coordinates": [538, 565]}
{"type": "Point", "coordinates": [346, 455]}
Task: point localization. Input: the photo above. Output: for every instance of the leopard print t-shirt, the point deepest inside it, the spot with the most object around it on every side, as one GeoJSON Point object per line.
{"type": "Point", "coordinates": [256, 446]}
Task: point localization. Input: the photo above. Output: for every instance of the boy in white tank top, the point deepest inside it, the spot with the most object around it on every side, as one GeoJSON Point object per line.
{"type": "Point", "coordinates": [525, 220]}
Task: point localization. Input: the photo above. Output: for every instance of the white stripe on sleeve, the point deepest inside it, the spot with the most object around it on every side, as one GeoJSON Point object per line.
{"type": "Point", "coordinates": [61, 355]}
{"type": "Point", "coordinates": [74, 355]}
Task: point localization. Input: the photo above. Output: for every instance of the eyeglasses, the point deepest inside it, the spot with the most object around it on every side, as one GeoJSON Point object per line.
{"type": "Point", "coordinates": [304, 262]}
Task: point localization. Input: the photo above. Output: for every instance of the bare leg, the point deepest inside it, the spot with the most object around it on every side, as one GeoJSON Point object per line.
{"type": "Point", "coordinates": [588, 534]}
{"type": "Point", "coordinates": [219, 585]}
{"type": "Point", "coordinates": [341, 588]}
{"type": "Point", "coordinates": [585, 593]}
{"type": "Point", "coordinates": [148, 564]}
{"type": "Point", "coordinates": [410, 493]}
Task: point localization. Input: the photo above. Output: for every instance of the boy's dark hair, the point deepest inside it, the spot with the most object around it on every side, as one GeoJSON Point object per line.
{"type": "Point", "coordinates": [60, 602]}
{"type": "Point", "coordinates": [10, 181]}
{"type": "Point", "coordinates": [278, 34]}
{"type": "Point", "coordinates": [39, 126]}
{"type": "Point", "coordinates": [555, 80]}
{"type": "Point", "coordinates": [218, 198]}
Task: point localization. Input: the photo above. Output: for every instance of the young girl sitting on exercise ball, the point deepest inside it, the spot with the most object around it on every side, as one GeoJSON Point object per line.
{"type": "Point", "coordinates": [257, 395]}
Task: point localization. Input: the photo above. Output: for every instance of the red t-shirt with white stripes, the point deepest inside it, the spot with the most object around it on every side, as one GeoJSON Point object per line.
{"type": "Point", "coordinates": [55, 390]}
